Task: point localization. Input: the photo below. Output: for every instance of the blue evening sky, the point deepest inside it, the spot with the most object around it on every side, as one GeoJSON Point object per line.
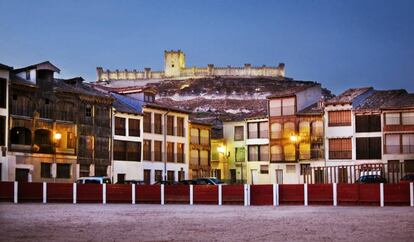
{"type": "Point", "coordinates": [341, 44]}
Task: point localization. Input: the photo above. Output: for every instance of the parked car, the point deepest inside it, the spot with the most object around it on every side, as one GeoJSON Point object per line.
{"type": "Point", "coordinates": [166, 183]}
{"type": "Point", "coordinates": [188, 182]}
{"type": "Point", "coordinates": [407, 178]}
{"type": "Point", "coordinates": [207, 181]}
{"type": "Point", "coordinates": [94, 180]}
{"type": "Point", "coordinates": [136, 182]}
{"type": "Point", "coordinates": [371, 179]}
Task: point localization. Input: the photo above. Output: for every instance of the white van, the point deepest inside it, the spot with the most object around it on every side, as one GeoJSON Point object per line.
{"type": "Point", "coordinates": [94, 180]}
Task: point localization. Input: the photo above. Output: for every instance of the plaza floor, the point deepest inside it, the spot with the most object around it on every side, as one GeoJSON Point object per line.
{"type": "Point", "coordinates": [113, 222]}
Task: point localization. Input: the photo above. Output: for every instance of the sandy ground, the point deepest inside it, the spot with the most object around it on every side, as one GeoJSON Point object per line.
{"type": "Point", "coordinates": [96, 222]}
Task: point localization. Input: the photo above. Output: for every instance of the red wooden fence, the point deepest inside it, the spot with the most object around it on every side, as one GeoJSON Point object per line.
{"type": "Point", "coordinates": [205, 194]}
{"type": "Point", "coordinates": [30, 192]}
{"type": "Point", "coordinates": [6, 191]}
{"type": "Point", "coordinates": [356, 194]}
{"type": "Point", "coordinates": [89, 193]}
{"type": "Point", "coordinates": [291, 194]}
{"type": "Point", "coordinates": [261, 195]}
{"type": "Point", "coordinates": [148, 194]}
{"type": "Point", "coordinates": [233, 194]}
{"type": "Point", "coordinates": [59, 192]}
{"type": "Point", "coordinates": [118, 193]}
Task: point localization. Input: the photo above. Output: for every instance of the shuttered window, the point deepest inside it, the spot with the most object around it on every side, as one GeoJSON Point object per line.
{"type": "Point", "coordinates": [339, 118]}
{"type": "Point", "coordinates": [340, 148]}
{"type": "Point", "coordinates": [368, 148]}
{"type": "Point", "coordinates": [368, 123]}
{"type": "Point", "coordinates": [134, 128]}
{"type": "Point", "coordinates": [119, 126]}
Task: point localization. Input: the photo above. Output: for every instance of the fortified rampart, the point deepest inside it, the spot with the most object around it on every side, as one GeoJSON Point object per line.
{"type": "Point", "coordinates": [175, 68]}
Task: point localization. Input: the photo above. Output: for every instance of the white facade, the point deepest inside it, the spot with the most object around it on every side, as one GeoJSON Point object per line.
{"type": "Point", "coordinates": [159, 165]}
{"type": "Point", "coordinates": [132, 170]}
{"type": "Point", "coordinates": [235, 144]}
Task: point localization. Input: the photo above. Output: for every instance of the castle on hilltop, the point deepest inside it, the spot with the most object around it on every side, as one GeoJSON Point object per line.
{"type": "Point", "coordinates": [174, 67]}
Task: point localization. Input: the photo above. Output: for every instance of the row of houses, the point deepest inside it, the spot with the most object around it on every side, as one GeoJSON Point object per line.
{"type": "Point", "coordinates": [57, 130]}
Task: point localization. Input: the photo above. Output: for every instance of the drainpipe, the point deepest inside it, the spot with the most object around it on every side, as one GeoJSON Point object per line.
{"type": "Point", "coordinates": [165, 144]}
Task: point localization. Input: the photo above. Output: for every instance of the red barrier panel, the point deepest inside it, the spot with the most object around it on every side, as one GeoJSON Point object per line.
{"type": "Point", "coordinates": [320, 194]}
{"type": "Point", "coordinates": [118, 193]}
{"type": "Point", "coordinates": [177, 194]}
{"type": "Point", "coordinates": [6, 191]}
{"type": "Point", "coordinates": [148, 194]}
{"type": "Point", "coordinates": [261, 195]}
{"type": "Point", "coordinates": [30, 192]}
{"type": "Point", "coordinates": [291, 194]}
{"type": "Point", "coordinates": [205, 194]}
{"type": "Point", "coordinates": [59, 192]}
{"type": "Point", "coordinates": [232, 194]}
{"type": "Point", "coordinates": [367, 194]}
{"type": "Point", "coordinates": [397, 194]}
{"type": "Point", "coordinates": [89, 193]}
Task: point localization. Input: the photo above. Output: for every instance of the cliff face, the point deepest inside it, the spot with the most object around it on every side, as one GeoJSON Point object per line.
{"type": "Point", "coordinates": [228, 98]}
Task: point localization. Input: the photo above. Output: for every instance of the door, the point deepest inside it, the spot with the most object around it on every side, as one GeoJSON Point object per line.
{"type": "Point", "coordinates": [254, 176]}
{"type": "Point", "coordinates": [22, 175]}
{"type": "Point", "coordinates": [232, 175]}
{"type": "Point", "coordinates": [279, 176]}
{"type": "Point", "coordinates": [147, 176]}
{"type": "Point", "coordinates": [120, 179]}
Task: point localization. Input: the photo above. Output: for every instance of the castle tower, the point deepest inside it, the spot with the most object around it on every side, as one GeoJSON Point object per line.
{"type": "Point", "coordinates": [174, 63]}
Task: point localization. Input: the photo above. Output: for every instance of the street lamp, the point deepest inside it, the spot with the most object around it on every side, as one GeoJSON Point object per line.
{"type": "Point", "coordinates": [295, 140]}
{"type": "Point", "coordinates": [56, 138]}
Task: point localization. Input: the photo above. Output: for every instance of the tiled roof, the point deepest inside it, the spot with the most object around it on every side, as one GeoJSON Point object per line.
{"type": "Point", "coordinates": [313, 109]}
{"type": "Point", "coordinates": [376, 100]}
{"type": "Point", "coordinates": [290, 88]}
{"type": "Point", "coordinates": [126, 104]}
{"type": "Point", "coordinates": [5, 67]}
{"type": "Point", "coordinates": [76, 85]}
{"type": "Point", "coordinates": [348, 96]}
{"type": "Point", "coordinates": [21, 81]}
{"type": "Point", "coordinates": [405, 100]}
{"type": "Point", "coordinates": [39, 65]}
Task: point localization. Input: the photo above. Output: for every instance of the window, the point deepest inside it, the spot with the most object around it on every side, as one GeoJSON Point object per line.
{"type": "Point", "coordinates": [158, 175]}
{"type": "Point", "coordinates": [392, 144]}
{"type": "Point", "coordinates": [258, 152]}
{"type": "Point", "coordinates": [170, 152]}
{"type": "Point", "coordinates": [288, 106]}
{"type": "Point", "coordinates": [85, 146]}
{"type": "Point", "coordinates": [22, 105]}
{"type": "Point", "coordinates": [238, 133]}
{"type": "Point", "coordinates": [119, 150]}
{"type": "Point", "coordinates": [63, 170]}
{"type": "Point", "coordinates": [28, 75]}
{"type": "Point", "coordinates": [102, 148]}
{"type": "Point", "coordinates": [339, 118]}
{"type": "Point", "coordinates": [240, 154]}
{"type": "Point", "coordinates": [253, 130]}
{"type": "Point", "coordinates": [263, 130]}
{"type": "Point", "coordinates": [20, 136]}
{"type": "Point", "coordinates": [205, 137]}
{"type": "Point", "coordinates": [147, 150]}
{"type": "Point", "coordinates": [65, 111]}
{"type": "Point", "coordinates": [276, 153]}
{"type": "Point", "coordinates": [264, 169]}
{"type": "Point", "coordinates": [304, 129]}
{"type": "Point", "coordinates": [170, 125]}
{"type": "Point", "coordinates": [102, 116]}
{"type": "Point", "coordinates": [276, 131]}
{"type": "Point", "coordinates": [88, 111]}
{"type": "Point", "coordinates": [289, 152]}
{"type": "Point", "coordinates": [204, 161]}
{"type": "Point", "coordinates": [194, 157]}
{"type": "Point", "coordinates": [84, 170]}
{"type": "Point", "coordinates": [304, 169]}
{"type": "Point", "coordinates": [3, 92]}
{"type": "Point", "coordinates": [120, 126]}
{"type": "Point", "coordinates": [408, 143]}
{"type": "Point", "coordinates": [45, 170]}
{"type": "Point", "coordinates": [214, 153]}
{"type": "Point", "coordinates": [180, 126]}
{"type": "Point", "coordinates": [409, 166]}
{"type": "Point", "coordinates": [288, 129]}
{"type": "Point", "coordinates": [157, 123]}
{"type": "Point", "coordinates": [147, 176]}
{"type": "Point", "coordinates": [368, 148]}
{"type": "Point", "coordinates": [43, 139]}
{"type": "Point", "coordinates": [317, 129]}
{"type": "Point", "coordinates": [133, 150]}
{"type": "Point", "coordinates": [392, 119]}
{"type": "Point", "coordinates": [368, 123]}
{"type": "Point", "coordinates": [2, 130]}
{"type": "Point", "coordinates": [340, 148]}
{"type": "Point", "coordinates": [180, 153]}
{"type": "Point", "coordinates": [275, 107]}
{"type": "Point", "coordinates": [157, 150]}
{"type": "Point", "coordinates": [70, 140]}
{"type": "Point", "coordinates": [170, 176]}
{"type": "Point", "coordinates": [407, 118]}
{"type": "Point", "coordinates": [134, 128]}
{"type": "Point", "coordinates": [194, 136]}
{"type": "Point", "coordinates": [148, 97]}
{"type": "Point", "coordinates": [147, 122]}
{"type": "Point", "coordinates": [101, 170]}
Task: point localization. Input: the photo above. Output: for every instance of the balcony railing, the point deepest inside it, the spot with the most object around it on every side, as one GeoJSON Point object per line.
{"type": "Point", "coordinates": [399, 149]}
{"type": "Point", "coordinates": [194, 140]}
{"type": "Point", "coordinates": [204, 140]}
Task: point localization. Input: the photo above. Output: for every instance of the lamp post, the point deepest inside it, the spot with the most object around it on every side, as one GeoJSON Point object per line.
{"type": "Point", "coordinates": [56, 138]}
